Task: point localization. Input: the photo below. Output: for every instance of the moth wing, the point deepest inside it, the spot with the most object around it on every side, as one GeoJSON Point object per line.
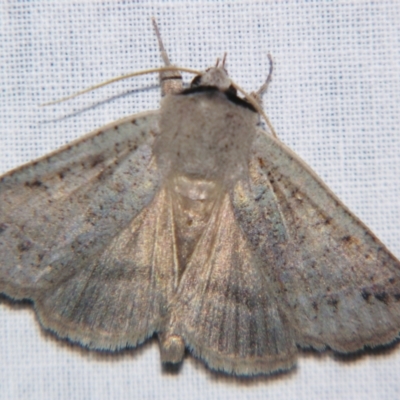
{"type": "Point", "coordinates": [339, 281]}
{"type": "Point", "coordinates": [77, 232]}
{"type": "Point", "coordinates": [225, 309]}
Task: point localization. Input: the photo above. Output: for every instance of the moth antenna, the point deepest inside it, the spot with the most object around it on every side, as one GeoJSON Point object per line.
{"type": "Point", "coordinates": [263, 89]}
{"type": "Point", "coordinates": [255, 98]}
{"type": "Point", "coordinates": [122, 77]}
{"type": "Point", "coordinates": [170, 81]}
{"type": "Point", "coordinates": [217, 62]}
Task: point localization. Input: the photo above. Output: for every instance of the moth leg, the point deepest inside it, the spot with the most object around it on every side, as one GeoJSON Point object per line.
{"type": "Point", "coordinates": [172, 348]}
{"type": "Point", "coordinates": [263, 89]}
{"type": "Point", "coordinates": [171, 81]}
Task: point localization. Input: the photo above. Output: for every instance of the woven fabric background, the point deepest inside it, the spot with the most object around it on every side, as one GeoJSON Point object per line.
{"type": "Point", "coordinates": [334, 99]}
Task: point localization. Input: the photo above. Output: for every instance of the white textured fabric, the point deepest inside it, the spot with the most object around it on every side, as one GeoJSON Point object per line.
{"type": "Point", "coordinates": [334, 99]}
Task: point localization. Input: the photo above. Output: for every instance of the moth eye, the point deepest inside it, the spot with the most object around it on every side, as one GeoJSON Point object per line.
{"type": "Point", "coordinates": [196, 81]}
{"type": "Point", "coordinates": [231, 91]}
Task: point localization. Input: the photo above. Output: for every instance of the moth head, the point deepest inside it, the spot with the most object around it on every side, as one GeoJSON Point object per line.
{"type": "Point", "coordinates": [213, 77]}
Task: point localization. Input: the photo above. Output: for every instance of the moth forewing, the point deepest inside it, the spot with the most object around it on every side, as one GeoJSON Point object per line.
{"type": "Point", "coordinates": [341, 282]}
{"type": "Point", "coordinates": [192, 223]}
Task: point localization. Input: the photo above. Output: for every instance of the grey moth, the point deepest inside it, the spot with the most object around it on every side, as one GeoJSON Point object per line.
{"type": "Point", "coordinates": [194, 224]}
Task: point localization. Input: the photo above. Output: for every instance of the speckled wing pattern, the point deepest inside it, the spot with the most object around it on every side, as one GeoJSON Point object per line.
{"type": "Point", "coordinates": [225, 308]}
{"type": "Point", "coordinates": [337, 282]}
{"type": "Point", "coordinates": [73, 238]}
{"type": "Point", "coordinates": [102, 240]}
{"type": "Point", "coordinates": [282, 262]}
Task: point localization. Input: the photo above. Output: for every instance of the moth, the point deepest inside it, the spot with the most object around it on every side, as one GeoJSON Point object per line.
{"type": "Point", "coordinates": [194, 224]}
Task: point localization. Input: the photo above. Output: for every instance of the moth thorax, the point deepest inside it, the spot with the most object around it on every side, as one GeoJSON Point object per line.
{"type": "Point", "coordinates": [204, 135]}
